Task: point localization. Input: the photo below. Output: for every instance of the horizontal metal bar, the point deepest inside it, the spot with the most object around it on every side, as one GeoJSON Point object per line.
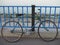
{"type": "Point", "coordinates": [25, 27]}
{"type": "Point", "coordinates": [15, 6]}
{"type": "Point", "coordinates": [49, 6]}
{"type": "Point", "coordinates": [30, 6]}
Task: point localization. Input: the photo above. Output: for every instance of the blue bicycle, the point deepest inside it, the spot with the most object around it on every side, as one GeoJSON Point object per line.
{"type": "Point", "coordinates": [12, 31]}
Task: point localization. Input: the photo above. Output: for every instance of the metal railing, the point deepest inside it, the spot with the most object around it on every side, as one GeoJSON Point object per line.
{"type": "Point", "coordinates": [27, 16]}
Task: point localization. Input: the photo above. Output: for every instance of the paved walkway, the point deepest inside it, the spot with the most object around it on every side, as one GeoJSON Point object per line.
{"type": "Point", "coordinates": [31, 42]}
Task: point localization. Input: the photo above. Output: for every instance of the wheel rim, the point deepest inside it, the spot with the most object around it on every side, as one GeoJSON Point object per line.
{"type": "Point", "coordinates": [44, 34]}
{"type": "Point", "coordinates": [6, 31]}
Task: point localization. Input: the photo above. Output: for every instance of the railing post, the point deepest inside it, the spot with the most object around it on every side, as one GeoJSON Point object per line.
{"type": "Point", "coordinates": [0, 21]}
{"type": "Point", "coordinates": [33, 17]}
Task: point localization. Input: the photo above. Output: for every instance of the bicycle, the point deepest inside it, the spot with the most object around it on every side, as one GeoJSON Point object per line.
{"type": "Point", "coordinates": [10, 36]}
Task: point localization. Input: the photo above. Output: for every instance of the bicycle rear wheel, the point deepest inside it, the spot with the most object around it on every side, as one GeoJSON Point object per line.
{"type": "Point", "coordinates": [11, 31]}
{"type": "Point", "coordinates": [47, 30]}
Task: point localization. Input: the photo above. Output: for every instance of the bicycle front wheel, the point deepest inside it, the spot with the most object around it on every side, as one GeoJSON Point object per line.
{"type": "Point", "coordinates": [47, 30]}
{"type": "Point", "coordinates": [11, 31]}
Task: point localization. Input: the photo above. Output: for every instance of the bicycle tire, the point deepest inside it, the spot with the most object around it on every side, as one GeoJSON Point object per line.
{"type": "Point", "coordinates": [20, 36]}
{"type": "Point", "coordinates": [39, 33]}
